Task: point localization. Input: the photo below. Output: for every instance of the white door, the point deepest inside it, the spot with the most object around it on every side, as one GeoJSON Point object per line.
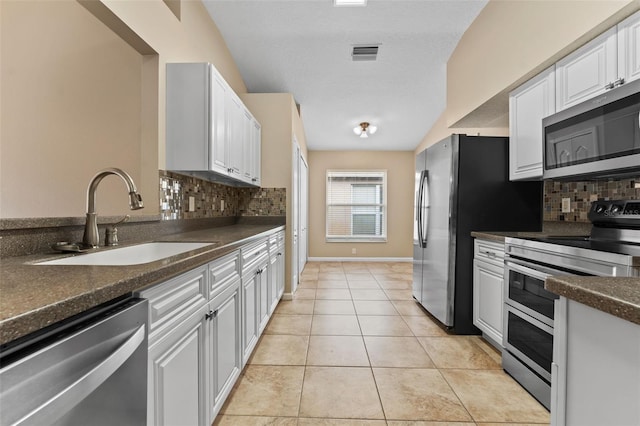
{"type": "Point", "coordinates": [295, 215]}
{"type": "Point", "coordinates": [304, 208]}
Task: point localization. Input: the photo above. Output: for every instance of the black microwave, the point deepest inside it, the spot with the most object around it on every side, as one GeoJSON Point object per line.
{"type": "Point", "coordinates": [597, 138]}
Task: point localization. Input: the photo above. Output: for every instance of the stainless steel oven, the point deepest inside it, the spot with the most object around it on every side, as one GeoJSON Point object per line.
{"type": "Point", "coordinates": [612, 249]}
{"type": "Point", "coordinates": [528, 325]}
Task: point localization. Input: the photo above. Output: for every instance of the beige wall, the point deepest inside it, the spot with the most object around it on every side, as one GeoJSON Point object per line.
{"type": "Point", "coordinates": [400, 182]}
{"type": "Point", "coordinates": [71, 105]}
{"type": "Point", "coordinates": [439, 131]}
{"type": "Point", "coordinates": [86, 90]}
{"type": "Point", "coordinates": [511, 41]}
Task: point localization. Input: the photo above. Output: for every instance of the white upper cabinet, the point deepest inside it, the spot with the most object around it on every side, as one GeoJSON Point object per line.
{"type": "Point", "coordinates": [629, 48]}
{"type": "Point", "coordinates": [208, 127]}
{"type": "Point", "coordinates": [606, 62]}
{"type": "Point", "coordinates": [528, 105]}
{"type": "Point", "coordinates": [256, 152]}
{"type": "Point", "coordinates": [588, 71]}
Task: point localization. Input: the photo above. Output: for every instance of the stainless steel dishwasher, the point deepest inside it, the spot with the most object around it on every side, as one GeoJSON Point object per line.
{"type": "Point", "coordinates": [88, 370]}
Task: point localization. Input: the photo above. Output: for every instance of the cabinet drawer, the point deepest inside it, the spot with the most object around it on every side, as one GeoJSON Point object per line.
{"type": "Point", "coordinates": [223, 271]}
{"type": "Point", "coordinates": [489, 251]}
{"type": "Point", "coordinates": [253, 252]}
{"type": "Point", "coordinates": [174, 300]}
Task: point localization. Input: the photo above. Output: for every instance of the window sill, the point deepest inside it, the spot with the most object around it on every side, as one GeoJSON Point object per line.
{"type": "Point", "coordinates": [355, 240]}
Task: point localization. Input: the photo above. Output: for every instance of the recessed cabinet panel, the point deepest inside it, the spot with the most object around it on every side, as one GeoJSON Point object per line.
{"type": "Point", "coordinates": [176, 380]}
{"type": "Point", "coordinates": [488, 289]}
{"type": "Point", "coordinates": [588, 71]}
{"type": "Point", "coordinates": [174, 300]}
{"type": "Point", "coordinates": [226, 345]}
{"type": "Point", "coordinates": [629, 48]}
{"type": "Point", "coordinates": [528, 105]}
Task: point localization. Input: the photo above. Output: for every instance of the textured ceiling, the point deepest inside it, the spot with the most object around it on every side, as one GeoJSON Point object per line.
{"type": "Point", "coordinates": [304, 47]}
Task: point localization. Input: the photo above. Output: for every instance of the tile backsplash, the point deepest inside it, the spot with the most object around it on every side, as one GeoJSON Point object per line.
{"type": "Point", "coordinates": [583, 193]}
{"type": "Point", "coordinates": [208, 198]}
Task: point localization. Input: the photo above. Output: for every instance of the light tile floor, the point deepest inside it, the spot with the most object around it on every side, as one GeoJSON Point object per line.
{"type": "Point", "coordinates": [353, 348]}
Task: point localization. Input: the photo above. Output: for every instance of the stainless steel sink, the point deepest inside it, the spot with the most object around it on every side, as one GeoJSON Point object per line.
{"type": "Point", "coordinates": [132, 255]}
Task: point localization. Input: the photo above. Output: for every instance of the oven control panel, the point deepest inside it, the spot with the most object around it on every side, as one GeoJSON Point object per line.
{"type": "Point", "coordinates": [615, 212]}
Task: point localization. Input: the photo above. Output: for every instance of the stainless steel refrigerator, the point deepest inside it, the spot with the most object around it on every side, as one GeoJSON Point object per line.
{"type": "Point", "coordinates": [462, 185]}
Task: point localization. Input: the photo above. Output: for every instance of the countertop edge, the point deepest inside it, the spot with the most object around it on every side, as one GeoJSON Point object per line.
{"type": "Point", "coordinates": [618, 296]}
{"type": "Point", "coordinates": [24, 323]}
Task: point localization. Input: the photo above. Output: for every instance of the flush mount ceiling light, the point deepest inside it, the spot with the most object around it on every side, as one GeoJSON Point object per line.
{"type": "Point", "coordinates": [364, 129]}
{"type": "Point", "coordinates": [349, 2]}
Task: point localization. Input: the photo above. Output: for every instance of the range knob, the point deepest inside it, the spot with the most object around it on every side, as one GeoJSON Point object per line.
{"type": "Point", "coordinates": [600, 208]}
{"type": "Point", "coordinates": [616, 209]}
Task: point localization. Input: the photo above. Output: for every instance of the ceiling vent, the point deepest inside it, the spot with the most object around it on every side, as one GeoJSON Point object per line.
{"type": "Point", "coordinates": [365, 53]}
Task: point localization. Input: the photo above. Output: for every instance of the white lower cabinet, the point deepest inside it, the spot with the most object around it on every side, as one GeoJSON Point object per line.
{"type": "Point", "coordinates": [176, 374]}
{"type": "Point", "coordinates": [204, 325]}
{"type": "Point", "coordinates": [488, 289]}
{"type": "Point", "coordinates": [225, 346]}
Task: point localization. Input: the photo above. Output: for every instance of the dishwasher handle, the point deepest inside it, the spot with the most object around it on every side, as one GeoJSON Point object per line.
{"type": "Point", "coordinates": [73, 394]}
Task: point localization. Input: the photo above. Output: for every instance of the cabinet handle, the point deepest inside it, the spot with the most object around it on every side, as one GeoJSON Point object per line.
{"type": "Point", "coordinates": [618, 82]}
{"type": "Point", "coordinates": [609, 86]}
{"type": "Point", "coordinates": [488, 253]}
{"type": "Point", "coordinates": [210, 315]}
{"type": "Point", "coordinates": [259, 271]}
{"type": "Point", "coordinates": [279, 254]}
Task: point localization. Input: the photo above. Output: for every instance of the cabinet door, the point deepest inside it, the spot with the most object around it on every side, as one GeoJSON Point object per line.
{"type": "Point", "coordinates": [225, 345]}
{"type": "Point", "coordinates": [629, 48]}
{"type": "Point", "coordinates": [250, 286]}
{"type": "Point", "coordinates": [528, 105]}
{"type": "Point", "coordinates": [176, 375]}
{"type": "Point", "coordinates": [588, 71]}
{"type": "Point", "coordinates": [247, 146]}
{"type": "Point", "coordinates": [273, 295]}
{"type": "Point", "coordinates": [263, 291]}
{"type": "Point", "coordinates": [488, 299]}
{"type": "Point", "coordinates": [219, 122]}
{"type": "Point", "coordinates": [235, 135]}
{"type": "Point", "coordinates": [256, 154]}
{"type": "Point", "coordinates": [281, 275]}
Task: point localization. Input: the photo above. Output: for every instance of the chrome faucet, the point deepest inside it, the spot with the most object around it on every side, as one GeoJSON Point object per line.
{"type": "Point", "coordinates": [91, 236]}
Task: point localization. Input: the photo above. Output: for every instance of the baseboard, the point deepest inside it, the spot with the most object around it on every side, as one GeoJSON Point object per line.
{"type": "Point", "coordinates": [360, 259]}
{"type": "Point", "coordinates": [287, 296]}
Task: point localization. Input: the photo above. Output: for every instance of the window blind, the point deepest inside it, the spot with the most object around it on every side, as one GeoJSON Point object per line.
{"type": "Point", "coordinates": [356, 205]}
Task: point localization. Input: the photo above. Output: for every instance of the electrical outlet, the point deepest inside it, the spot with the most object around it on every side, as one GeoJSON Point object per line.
{"type": "Point", "coordinates": [221, 205]}
{"type": "Point", "coordinates": [192, 204]}
{"type": "Point", "coordinates": [354, 251]}
{"type": "Point", "coordinates": [566, 205]}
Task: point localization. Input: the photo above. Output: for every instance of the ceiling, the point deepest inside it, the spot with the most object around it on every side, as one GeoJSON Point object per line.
{"type": "Point", "coordinates": [304, 47]}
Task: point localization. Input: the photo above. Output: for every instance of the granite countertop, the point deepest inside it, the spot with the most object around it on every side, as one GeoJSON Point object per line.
{"type": "Point", "coordinates": [34, 296]}
{"type": "Point", "coordinates": [618, 296]}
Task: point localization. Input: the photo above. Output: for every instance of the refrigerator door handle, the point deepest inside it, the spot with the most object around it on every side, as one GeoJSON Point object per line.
{"type": "Point", "coordinates": [419, 209]}
{"type": "Point", "coordinates": [424, 208]}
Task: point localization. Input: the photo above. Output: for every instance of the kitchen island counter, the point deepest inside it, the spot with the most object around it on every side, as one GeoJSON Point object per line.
{"type": "Point", "coordinates": [34, 296]}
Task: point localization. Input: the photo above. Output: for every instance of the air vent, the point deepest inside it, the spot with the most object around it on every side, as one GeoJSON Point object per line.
{"type": "Point", "coordinates": [365, 53]}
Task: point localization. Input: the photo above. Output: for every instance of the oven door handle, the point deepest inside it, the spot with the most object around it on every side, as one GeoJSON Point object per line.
{"type": "Point", "coordinates": [531, 269]}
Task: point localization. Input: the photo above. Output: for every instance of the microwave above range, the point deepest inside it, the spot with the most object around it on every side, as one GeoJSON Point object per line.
{"type": "Point", "coordinates": [597, 138]}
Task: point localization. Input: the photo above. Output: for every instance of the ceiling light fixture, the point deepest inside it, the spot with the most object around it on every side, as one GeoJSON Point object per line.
{"type": "Point", "coordinates": [349, 3]}
{"type": "Point", "coordinates": [365, 129]}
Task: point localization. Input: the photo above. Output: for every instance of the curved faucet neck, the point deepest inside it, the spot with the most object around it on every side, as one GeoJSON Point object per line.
{"type": "Point", "coordinates": [93, 185]}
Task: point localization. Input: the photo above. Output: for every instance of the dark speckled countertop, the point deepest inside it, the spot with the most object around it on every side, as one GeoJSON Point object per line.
{"type": "Point", "coordinates": [34, 296]}
{"type": "Point", "coordinates": [618, 296]}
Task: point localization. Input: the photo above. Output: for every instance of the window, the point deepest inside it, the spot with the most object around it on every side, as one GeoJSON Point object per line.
{"type": "Point", "coordinates": [356, 205]}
